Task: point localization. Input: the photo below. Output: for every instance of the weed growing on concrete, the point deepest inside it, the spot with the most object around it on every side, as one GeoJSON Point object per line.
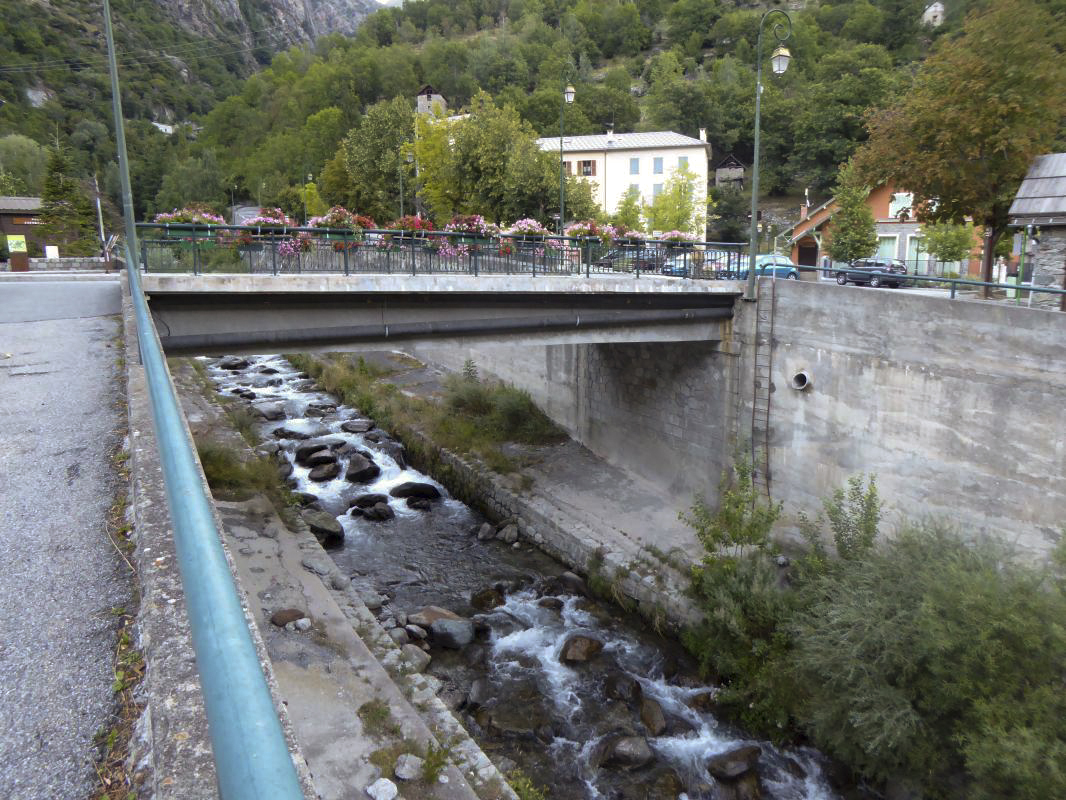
{"type": "Point", "coordinates": [377, 720]}
{"type": "Point", "coordinates": [524, 787]}
{"type": "Point", "coordinates": [434, 762]}
{"type": "Point", "coordinates": [231, 478]}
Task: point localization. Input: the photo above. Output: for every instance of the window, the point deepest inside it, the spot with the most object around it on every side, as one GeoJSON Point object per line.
{"type": "Point", "coordinates": [586, 168]}
{"type": "Point", "coordinates": [569, 171]}
{"type": "Point", "coordinates": [634, 187]}
{"type": "Point", "coordinates": [656, 190]}
{"type": "Point", "coordinates": [886, 246]}
{"type": "Point", "coordinates": [657, 166]}
{"type": "Point", "coordinates": [634, 166]}
{"type": "Point", "coordinates": [682, 162]}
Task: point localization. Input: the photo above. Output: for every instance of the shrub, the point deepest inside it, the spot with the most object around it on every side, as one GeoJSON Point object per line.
{"type": "Point", "coordinates": [939, 660]}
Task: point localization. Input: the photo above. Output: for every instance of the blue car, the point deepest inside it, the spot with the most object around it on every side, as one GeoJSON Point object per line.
{"type": "Point", "coordinates": [778, 266]}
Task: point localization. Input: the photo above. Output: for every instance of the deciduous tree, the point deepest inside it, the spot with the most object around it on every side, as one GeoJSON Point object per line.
{"type": "Point", "coordinates": [980, 109]}
{"type": "Point", "coordinates": [853, 233]}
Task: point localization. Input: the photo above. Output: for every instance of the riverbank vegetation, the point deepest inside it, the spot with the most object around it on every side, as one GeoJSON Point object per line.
{"type": "Point", "coordinates": [925, 660]}
{"type": "Point", "coordinates": [473, 416]}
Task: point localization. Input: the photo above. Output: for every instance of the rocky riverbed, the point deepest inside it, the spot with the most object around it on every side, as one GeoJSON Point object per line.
{"type": "Point", "coordinates": [580, 696]}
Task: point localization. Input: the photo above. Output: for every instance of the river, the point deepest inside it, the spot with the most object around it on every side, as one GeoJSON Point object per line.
{"type": "Point", "coordinates": [633, 721]}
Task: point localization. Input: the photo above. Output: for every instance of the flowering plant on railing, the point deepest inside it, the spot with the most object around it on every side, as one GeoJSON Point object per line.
{"type": "Point", "coordinates": [411, 223]}
{"type": "Point", "coordinates": [677, 237]}
{"type": "Point", "coordinates": [300, 243]}
{"type": "Point", "coordinates": [336, 217]}
{"type": "Point", "coordinates": [625, 235]}
{"type": "Point", "coordinates": [447, 249]}
{"type": "Point", "coordinates": [527, 227]}
{"type": "Point", "coordinates": [365, 222]}
{"type": "Point", "coordinates": [589, 227]}
{"type": "Point", "coordinates": [195, 215]}
{"type": "Point", "coordinates": [473, 225]}
{"type": "Point", "coordinates": [271, 218]}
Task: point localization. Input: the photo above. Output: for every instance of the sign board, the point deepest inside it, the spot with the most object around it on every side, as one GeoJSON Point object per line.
{"type": "Point", "coordinates": [16, 243]}
{"type": "Point", "coordinates": [51, 251]}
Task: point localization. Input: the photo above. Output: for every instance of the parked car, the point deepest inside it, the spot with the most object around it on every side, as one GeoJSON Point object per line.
{"type": "Point", "coordinates": [631, 259]}
{"type": "Point", "coordinates": [778, 266]}
{"type": "Point", "coordinates": [678, 266]}
{"type": "Point", "coordinates": [874, 271]}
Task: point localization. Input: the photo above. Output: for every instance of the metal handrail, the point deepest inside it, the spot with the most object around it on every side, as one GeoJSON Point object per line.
{"type": "Point", "coordinates": [252, 759]}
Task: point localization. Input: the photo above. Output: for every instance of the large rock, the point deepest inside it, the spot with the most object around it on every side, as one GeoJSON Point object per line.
{"type": "Point", "coordinates": [579, 648]}
{"type": "Point", "coordinates": [382, 789]}
{"type": "Point", "coordinates": [379, 512]}
{"type": "Point", "coordinates": [301, 433]}
{"type": "Point", "coordinates": [746, 787]}
{"type": "Point", "coordinates": [486, 599]}
{"type": "Point", "coordinates": [417, 657]}
{"type": "Point", "coordinates": [369, 500]}
{"type": "Point", "coordinates": [357, 425]}
{"type": "Point", "coordinates": [312, 446]}
{"type": "Point", "coordinates": [626, 752]}
{"type": "Point", "coordinates": [620, 686]}
{"type": "Point", "coordinates": [419, 503]}
{"type": "Point", "coordinates": [324, 472]}
{"type": "Point", "coordinates": [319, 458]}
{"type": "Point", "coordinates": [454, 634]}
{"type": "Point", "coordinates": [508, 534]}
{"type": "Point", "coordinates": [234, 363]}
{"type": "Point", "coordinates": [415, 489]}
{"type": "Point", "coordinates": [566, 583]}
{"type": "Point", "coordinates": [651, 714]}
{"type": "Point", "coordinates": [480, 693]}
{"type": "Point", "coordinates": [361, 469]}
{"type": "Point", "coordinates": [270, 411]}
{"type": "Point", "coordinates": [325, 527]}
{"type": "Point", "coordinates": [393, 450]}
{"type": "Point", "coordinates": [731, 764]}
{"type": "Point", "coordinates": [408, 767]}
{"type": "Point", "coordinates": [430, 614]}
{"type": "Point", "coordinates": [284, 616]}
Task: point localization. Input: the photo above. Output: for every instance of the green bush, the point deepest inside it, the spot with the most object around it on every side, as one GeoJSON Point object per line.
{"type": "Point", "coordinates": [941, 661]}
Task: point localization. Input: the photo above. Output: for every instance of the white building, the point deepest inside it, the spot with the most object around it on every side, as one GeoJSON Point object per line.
{"type": "Point", "coordinates": [617, 162]}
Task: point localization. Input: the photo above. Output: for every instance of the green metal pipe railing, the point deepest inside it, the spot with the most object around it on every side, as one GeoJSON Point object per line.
{"type": "Point", "coordinates": [252, 758]}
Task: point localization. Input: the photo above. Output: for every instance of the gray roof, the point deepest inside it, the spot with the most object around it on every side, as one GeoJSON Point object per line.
{"type": "Point", "coordinates": [20, 204]}
{"type": "Point", "coordinates": [1041, 198]}
{"type": "Point", "coordinates": [621, 141]}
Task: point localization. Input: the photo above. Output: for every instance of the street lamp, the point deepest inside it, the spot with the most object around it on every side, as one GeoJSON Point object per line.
{"type": "Point", "coordinates": [782, 30]}
{"type": "Point", "coordinates": [309, 178]}
{"type": "Point", "coordinates": [409, 159]}
{"type": "Point", "coordinates": [568, 97]}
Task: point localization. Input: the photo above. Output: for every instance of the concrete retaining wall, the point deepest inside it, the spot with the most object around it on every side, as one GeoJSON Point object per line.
{"type": "Point", "coordinates": [955, 406]}
{"type": "Point", "coordinates": [72, 264]}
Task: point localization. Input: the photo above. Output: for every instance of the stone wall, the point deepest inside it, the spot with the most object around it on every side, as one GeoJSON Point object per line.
{"type": "Point", "coordinates": [666, 411]}
{"type": "Point", "coordinates": [1049, 266]}
{"type": "Point", "coordinates": [72, 264]}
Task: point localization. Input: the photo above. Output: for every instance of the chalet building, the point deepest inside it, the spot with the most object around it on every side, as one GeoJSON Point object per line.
{"type": "Point", "coordinates": [898, 235]}
{"type": "Point", "coordinates": [430, 101]}
{"type": "Point", "coordinates": [617, 162]}
{"type": "Point", "coordinates": [729, 173]}
{"type": "Point", "coordinates": [1040, 209]}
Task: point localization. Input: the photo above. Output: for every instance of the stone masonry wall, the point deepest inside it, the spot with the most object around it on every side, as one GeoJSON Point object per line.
{"type": "Point", "coordinates": [1049, 266]}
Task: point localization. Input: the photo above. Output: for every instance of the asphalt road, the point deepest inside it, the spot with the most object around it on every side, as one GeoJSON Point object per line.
{"type": "Point", "coordinates": [60, 577]}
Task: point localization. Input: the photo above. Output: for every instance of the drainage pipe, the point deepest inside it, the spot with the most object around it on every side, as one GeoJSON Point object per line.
{"type": "Point", "coordinates": [252, 759]}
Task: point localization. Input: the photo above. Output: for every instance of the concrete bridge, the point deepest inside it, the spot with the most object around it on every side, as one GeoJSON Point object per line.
{"type": "Point", "coordinates": [216, 314]}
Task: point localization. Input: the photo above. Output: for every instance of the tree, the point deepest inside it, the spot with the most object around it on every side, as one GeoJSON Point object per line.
{"type": "Point", "coordinates": [853, 233]}
{"type": "Point", "coordinates": [374, 157]}
{"type": "Point", "coordinates": [66, 212]}
{"type": "Point", "coordinates": [25, 161]}
{"type": "Point", "coordinates": [981, 108]}
{"type": "Point", "coordinates": [628, 214]}
{"type": "Point", "coordinates": [731, 207]}
{"type": "Point", "coordinates": [196, 179]}
{"type": "Point", "coordinates": [948, 242]}
{"type": "Point", "coordinates": [680, 206]}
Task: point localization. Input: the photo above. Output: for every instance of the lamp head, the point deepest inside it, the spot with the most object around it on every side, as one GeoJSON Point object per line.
{"type": "Point", "coordinates": [568, 93]}
{"type": "Point", "coordinates": [780, 58]}
{"type": "Point", "coordinates": [410, 158]}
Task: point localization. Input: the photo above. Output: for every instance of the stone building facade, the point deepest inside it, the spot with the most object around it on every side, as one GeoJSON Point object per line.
{"type": "Point", "coordinates": [1040, 208]}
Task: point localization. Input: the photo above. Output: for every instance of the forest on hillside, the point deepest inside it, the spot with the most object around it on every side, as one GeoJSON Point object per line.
{"type": "Point", "coordinates": [646, 65]}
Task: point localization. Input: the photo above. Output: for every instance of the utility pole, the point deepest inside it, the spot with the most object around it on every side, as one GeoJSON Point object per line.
{"type": "Point", "coordinates": [120, 136]}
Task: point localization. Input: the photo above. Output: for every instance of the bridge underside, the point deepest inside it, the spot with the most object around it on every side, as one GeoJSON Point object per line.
{"type": "Point", "coordinates": [220, 322]}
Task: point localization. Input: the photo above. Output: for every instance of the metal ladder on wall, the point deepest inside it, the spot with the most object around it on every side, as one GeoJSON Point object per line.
{"type": "Point", "coordinates": [762, 371]}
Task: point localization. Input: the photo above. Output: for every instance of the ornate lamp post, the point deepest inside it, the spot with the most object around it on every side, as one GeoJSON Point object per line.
{"type": "Point", "coordinates": [309, 179]}
{"type": "Point", "coordinates": [567, 97]}
{"type": "Point", "coordinates": [409, 158]}
{"type": "Point", "coordinates": [782, 30]}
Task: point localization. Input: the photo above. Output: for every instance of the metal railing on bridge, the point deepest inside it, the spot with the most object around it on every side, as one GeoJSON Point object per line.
{"type": "Point", "coordinates": [200, 249]}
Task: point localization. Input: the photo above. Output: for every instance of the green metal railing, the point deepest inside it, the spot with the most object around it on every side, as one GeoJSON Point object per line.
{"type": "Point", "coordinates": [252, 758]}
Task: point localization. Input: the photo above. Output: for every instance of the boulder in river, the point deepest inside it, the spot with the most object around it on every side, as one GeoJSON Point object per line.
{"type": "Point", "coordinates": [306, 499]}
{"type": "Point", "coordinates": [620, 686]}
{"type": "Point", "coordinates": [731, 764]}
{"type": "Point", "coordinates": [393, 450]}
{"type": "Point", "coordinates": [624, 752]}
{"type": "Point", "coordinates": [651, 714]}
{"type": "Point", "coordinates": [579, 648]}
{"type": "Point", "coordinates": [357, 425]}
{"type": "Point", "coordinates": [379, 512]}
{"type": "Point", "coordinates": [454, 634]}
{"type": "Point", "coordinates": [566, 583]}
{"type": "Point", "coordinates": [479, 694]}
{"type": "Point", "coordinates": [703, 701]}
{"type": "Point", "coordinates": [746, 787]}
{"type": "Point", "coordinates": [369, 500]}
{"type": "Point", "coordinates": [361, 469]}
{"type": "Point", "coordinates": [320, 457]}
{"type": "Point", "coordinates": [415, 489]}
{"type": "Point", "coordinates": [486, 598]}
{"type": "Point", "coordinates": [416, 657]}
{"type": "Point", "coordinates": [508, 534]}
{"type": "Point", "coordinates": [426, 616]}
{"type": "Point", "coordinates": [234, 363]}
{"type": "Point", "coordinates": [269, 411]}
{"type": "Point", "coordinates": [307, 432]}
{"type": "Point", "coordinates": [312, 446]}
{"type": "Point", "coordinates": [419, 503]}
{"type": "Point", "coordinates": [325, 527]}
{"type": "Point", "coordinates": [324, 472]}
